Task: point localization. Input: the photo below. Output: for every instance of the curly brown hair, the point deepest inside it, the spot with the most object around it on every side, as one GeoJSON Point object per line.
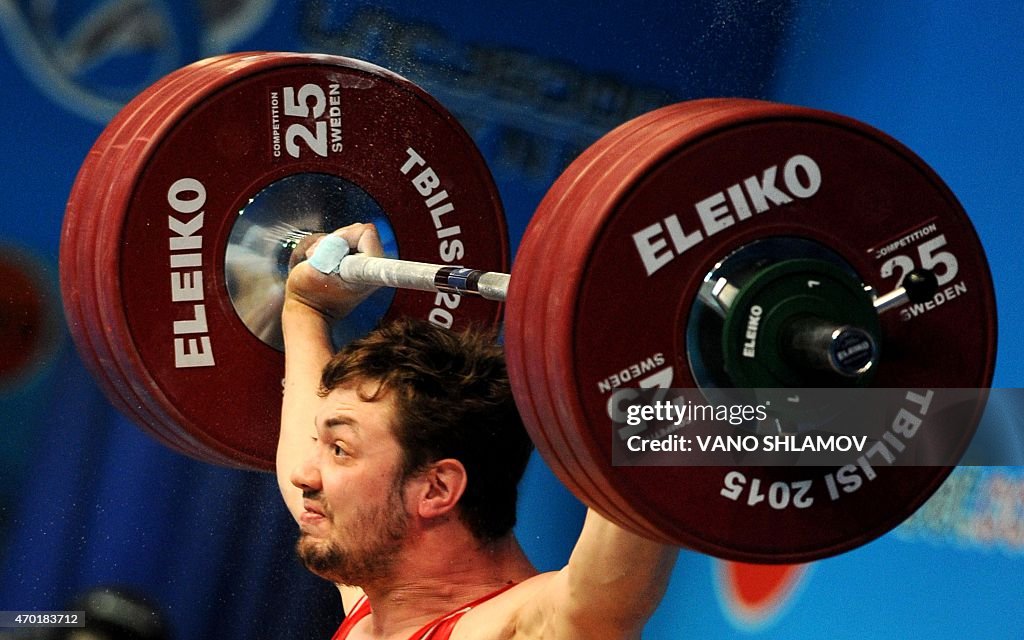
{"type": "Point", "coordinates": [452, 400]}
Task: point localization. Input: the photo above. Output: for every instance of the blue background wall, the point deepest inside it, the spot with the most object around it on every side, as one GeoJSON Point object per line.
{"type": "Point", "coordinates": [86, 498]}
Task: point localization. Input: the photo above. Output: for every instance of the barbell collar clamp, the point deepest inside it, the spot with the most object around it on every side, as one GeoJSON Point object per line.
{"type": "Point", "coordinates": [919, 285]}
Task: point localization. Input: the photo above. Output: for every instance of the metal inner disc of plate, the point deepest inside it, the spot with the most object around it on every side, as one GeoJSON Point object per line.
{"type": "Point", "coordinates": [268, 228]}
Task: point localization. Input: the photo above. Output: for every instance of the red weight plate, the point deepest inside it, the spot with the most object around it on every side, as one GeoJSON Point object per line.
{"type": "Point", "coordinates": [590, 196]}
{"type": "Point", "coordinates": [527, 382]}
{"type": "Point", "coordinates": [585, 480]}
{"type": "Point", "coordinates": [223, 136]}
{"type": "Point", "coordinates": [83, 218]}
{"type": "Point", "coordinates": [529, 337]}
{"type": "Point", "coordinates": [132, 139]}
{"type": "Point", "coordinates": [664, 123]}
{"type": "Point", "coordinates": [873, 194]}
{"type": "Point", "coordinates": [135, 132]}
{"type": "Point", "coordinates": [527, 328]}
{"type": "Point", "coordinates": [86, 228]}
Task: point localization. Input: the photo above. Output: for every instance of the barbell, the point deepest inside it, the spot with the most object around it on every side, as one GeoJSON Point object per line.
{"type": "Point", "coordinates": [706, 245]}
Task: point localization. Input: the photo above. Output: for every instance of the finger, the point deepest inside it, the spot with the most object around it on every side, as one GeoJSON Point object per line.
{"type": "Point", "coordinates": [362, 237]}
{"type": "Point", "coordinates": [369, 242]}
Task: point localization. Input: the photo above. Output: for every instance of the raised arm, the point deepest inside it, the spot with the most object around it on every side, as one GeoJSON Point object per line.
{"type": "Point", "coordinates": [312, 302]}
{"type": "Point", "coordinates": [612, 584]}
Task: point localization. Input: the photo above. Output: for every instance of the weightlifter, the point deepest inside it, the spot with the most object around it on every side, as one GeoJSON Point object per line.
{"type": "Point", "coordinates": [399, 458]}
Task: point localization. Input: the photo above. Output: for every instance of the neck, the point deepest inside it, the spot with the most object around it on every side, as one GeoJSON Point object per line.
{"type": "Point", "coordinates": [440, 571]}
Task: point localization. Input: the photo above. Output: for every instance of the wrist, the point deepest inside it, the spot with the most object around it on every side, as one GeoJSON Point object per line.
{"type": "Point", "coordinates": [298, 310]}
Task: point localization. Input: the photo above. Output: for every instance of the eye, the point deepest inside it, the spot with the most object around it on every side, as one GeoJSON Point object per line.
{"type": "Point", "coordinates": [339, 450]}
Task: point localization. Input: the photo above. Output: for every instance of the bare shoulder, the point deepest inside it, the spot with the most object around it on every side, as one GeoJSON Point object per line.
{"type": "Point", "coordinates": [608, 590]}
{"type": "Point", "coordinates": [501, 617]}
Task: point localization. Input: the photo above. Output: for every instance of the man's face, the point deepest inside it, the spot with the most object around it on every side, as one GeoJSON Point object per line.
{"type": "Point", "coordinates": [355, 520]}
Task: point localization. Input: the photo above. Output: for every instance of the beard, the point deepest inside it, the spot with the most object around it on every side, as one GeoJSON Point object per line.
{"type": "Point", "coordinates": [365, 550]}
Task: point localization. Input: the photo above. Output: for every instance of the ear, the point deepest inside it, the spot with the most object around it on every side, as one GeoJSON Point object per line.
{"type": "Point", "coordinates": [440, 488]}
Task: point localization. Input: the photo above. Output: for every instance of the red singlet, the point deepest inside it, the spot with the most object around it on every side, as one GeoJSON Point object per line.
{"type": "Point", "coordinates": [439, 629]}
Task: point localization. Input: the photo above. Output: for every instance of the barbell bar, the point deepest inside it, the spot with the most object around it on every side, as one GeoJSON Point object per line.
{"type": "Point", "coordinates": [684, 240]}
{"type": "Point", "coordinates": [819, 344]}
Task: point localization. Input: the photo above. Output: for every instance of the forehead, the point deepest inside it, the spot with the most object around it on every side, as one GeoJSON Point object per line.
{"type": "Point", "coordinates": [345, 407]}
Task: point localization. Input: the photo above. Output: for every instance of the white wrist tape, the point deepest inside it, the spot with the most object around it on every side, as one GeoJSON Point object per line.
{"type": "Point", "coordinates": [327, 256]}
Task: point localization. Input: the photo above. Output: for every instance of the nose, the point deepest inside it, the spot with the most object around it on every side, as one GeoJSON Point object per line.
{"type": "Point", "coordinates": [306, 475]}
